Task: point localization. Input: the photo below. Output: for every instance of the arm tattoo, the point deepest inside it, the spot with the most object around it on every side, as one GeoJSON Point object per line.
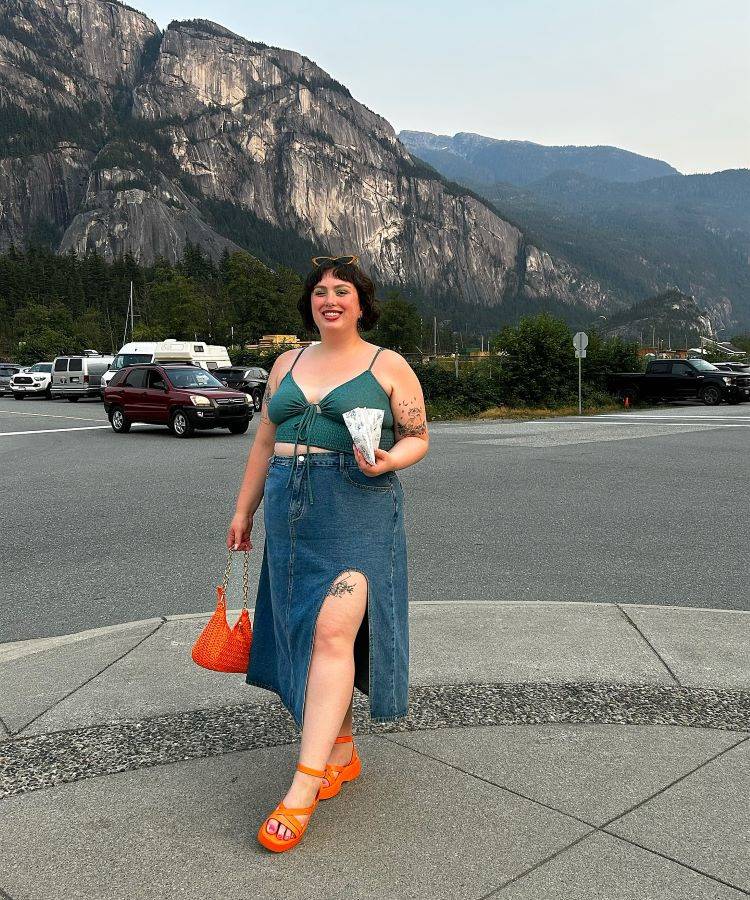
{"type": "Point", "coordinates": [267, 394]}
{"type": "Point", "coordinates": [410, 419]}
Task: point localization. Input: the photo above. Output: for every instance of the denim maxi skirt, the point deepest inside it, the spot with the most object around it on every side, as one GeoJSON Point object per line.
{"type": "Point", "coordinates": [355, 522]}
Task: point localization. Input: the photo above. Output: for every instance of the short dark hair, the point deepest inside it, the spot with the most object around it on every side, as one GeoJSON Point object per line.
{"type": "Point", "coordinates": [345, 272]}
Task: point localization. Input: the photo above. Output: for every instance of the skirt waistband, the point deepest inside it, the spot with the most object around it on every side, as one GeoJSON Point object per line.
{"type": "Point", "coordinates": [330, 458]}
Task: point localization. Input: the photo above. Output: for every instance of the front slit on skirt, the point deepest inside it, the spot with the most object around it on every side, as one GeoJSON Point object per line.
{"type": "Point", "coordinates": [355, 523]}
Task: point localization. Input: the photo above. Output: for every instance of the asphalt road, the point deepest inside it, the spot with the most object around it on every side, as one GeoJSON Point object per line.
{"type": "Point", "coordinates": [650, 507]}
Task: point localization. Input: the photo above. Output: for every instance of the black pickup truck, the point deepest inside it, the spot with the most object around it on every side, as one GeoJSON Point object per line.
{"type": "Point", "coordinates": [681, 379]}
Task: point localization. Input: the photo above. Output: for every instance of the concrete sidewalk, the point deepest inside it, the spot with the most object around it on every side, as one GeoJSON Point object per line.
{"type": "Point", "coordinates": [552, 750]}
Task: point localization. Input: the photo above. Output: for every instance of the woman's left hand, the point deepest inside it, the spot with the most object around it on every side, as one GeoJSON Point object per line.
{"type": "Point", "coordinates": [384, 462]}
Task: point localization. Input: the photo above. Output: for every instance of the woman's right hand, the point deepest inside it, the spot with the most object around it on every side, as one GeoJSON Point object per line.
{"type": "Point", "coordinates": [238, 536]}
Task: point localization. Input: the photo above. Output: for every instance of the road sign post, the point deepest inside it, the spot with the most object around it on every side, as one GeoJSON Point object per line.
{"type": "Point", "coordinates": [580, 342]}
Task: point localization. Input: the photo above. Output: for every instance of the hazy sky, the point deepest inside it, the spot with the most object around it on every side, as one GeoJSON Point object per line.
{"type": "Point", "coordinates": [665, 78]}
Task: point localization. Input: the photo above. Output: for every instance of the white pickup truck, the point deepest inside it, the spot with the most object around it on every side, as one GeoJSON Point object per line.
{"type": "Point", "coordinates": [35, 381]}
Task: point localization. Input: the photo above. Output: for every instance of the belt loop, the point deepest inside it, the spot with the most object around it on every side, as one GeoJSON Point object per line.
{"type": "Point", "coordinates": [341, 461]}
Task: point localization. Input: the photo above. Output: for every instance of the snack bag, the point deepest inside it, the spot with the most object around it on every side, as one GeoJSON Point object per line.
{"type": "Point", "coordinates": [364, 425]}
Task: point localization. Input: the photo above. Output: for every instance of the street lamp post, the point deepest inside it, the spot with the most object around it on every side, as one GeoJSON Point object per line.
{"type": "Point", "coordinates": [443, 322]}
{"type": "Point", "coordinates": [454, 335]}
{"type": "Point", "coordinates": [436, 326]}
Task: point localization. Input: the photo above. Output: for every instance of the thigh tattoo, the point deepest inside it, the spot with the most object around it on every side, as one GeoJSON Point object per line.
{"type": "Point", "coordinates": [342, 586]}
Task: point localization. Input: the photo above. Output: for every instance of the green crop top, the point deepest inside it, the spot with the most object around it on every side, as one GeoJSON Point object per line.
{"type": "Point", "coordinates": [321, 424]}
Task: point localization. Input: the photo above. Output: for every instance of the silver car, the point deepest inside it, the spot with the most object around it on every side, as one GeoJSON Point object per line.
{"type": "Point", "coordinates": [7, 371]}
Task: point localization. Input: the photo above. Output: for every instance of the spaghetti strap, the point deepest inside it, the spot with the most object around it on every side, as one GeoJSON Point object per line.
{"type": "Point", "coordinates": [374, 358]}
{"type": "Point", "coordinates": [296, 358]}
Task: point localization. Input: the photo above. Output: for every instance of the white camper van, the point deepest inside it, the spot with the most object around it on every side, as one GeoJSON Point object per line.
{"type": "Point", "coordinates": [207, 356]}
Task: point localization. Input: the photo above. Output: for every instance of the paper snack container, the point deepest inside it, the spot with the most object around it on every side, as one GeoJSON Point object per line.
{"type": "Point", "coordinates": [365, 425]}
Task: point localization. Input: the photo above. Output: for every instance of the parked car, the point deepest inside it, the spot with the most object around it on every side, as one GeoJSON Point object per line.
{"type": "Point", "coordinates": [182, 397]}
{"type": "Point", "coordinates": [74, 377]}
{"type": "Point", "coordinates": [33, 381]}
{"type": "Point", "coordinates": [743, 368]}
{"type": "Point", "coordinates": [681, 379]}
{"type": "Point", "coordinates": [7, 371]}
{"type": "Point", "coordinates": [248, 379]}
{"type": "Point", "coordinates": [199, 353]}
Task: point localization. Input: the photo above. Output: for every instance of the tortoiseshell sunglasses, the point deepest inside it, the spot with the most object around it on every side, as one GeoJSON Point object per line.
{"type": "Point", "coordinates": [318, 261]}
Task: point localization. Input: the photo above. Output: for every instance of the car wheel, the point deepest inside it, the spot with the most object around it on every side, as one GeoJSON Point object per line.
{"type": "Point", "coordinates": [117, 420]}
{"type": "Point", "coordinates": [18, 396]}
{"type": "Point", "coordinates": [48, 394]}
{"type": "Point", "coordinates": [239, 427]}
{"type": "Point", "coordinates": [711, 395]}
{"type": "Point", "coordinates": [181, 425]}
{"type": "Point", "coordinates": [257, 401]}
{"type": "Point", "coordinates": [631, 393]}
{"type": "Point", "coordinates": [72, 399]}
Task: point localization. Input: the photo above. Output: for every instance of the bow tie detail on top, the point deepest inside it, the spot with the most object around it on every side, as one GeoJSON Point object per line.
{"type": "Point", "coordinates": [304, 424]}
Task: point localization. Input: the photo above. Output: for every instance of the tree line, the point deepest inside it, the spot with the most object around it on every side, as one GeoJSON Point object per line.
{"type": "Point", "coordinates": [52, 304]}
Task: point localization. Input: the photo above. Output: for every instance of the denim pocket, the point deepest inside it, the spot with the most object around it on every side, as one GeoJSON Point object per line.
{"type": "Point", "coordinates": [355, 476]}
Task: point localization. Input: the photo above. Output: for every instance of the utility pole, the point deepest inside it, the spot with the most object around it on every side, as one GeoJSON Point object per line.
{"type": "Point", "coordinates": [129, 316]}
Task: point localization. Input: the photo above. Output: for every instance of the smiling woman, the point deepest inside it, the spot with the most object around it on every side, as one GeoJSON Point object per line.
{"type": "Point", "coordinates": [342, 297]}
{"type": "Point", "coordinates": [331, 612]}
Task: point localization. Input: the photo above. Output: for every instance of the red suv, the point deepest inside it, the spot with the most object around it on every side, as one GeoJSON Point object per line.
{"type": "Point", "coordinates": [179, 396]}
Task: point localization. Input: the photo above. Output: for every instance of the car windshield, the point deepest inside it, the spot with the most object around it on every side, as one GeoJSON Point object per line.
{"type": "Point", "coordinates": [129, 359]}
{"type": "Point", "coordinates": [704, 366]}
{"type": "Point", "coordinates": [193, 378]}
{"type": "Point", "coordinates": [41, 367]}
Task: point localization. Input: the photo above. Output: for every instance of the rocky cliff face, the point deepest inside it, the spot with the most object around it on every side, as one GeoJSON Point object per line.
{"type": "Point", "coordinates": [134, 133]}
{"type": "Point", "coordinates": [671, 316]}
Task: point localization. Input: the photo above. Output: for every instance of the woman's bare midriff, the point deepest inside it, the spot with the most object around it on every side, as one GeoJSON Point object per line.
{"type": "Point", "coordinates": [283, 448]}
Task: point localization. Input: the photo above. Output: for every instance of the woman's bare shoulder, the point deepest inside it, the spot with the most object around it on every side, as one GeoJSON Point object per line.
{"type": "Point", "coordinates": [393, 365]}
{"type": "Point", "coordinates": [282, 364]}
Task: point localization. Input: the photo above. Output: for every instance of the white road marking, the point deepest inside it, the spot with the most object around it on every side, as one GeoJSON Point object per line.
{"type": "Point", "coordinates": [650, 416]}
{"type": "Point", "coordinates": [54, 430]}
{"type": "Point", "coordinates": [675, 421]}
{"type": "Point", "coordinates": [12, 412]}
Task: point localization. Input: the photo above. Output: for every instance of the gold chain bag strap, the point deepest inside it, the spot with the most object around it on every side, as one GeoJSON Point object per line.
{"type": "Point", "coordinates": [220, 647]}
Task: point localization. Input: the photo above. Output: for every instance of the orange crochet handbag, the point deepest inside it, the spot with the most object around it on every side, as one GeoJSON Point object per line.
{"type": "Point", "coordinates": [218, 647]}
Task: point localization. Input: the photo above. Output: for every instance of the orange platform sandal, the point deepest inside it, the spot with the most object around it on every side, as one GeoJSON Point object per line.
{"type": "Point", "coordinates": [288, 817]}
{"type": "Point", "coordinates": [337, 775]}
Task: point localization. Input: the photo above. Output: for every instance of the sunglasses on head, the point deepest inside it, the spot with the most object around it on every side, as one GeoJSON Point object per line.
{"type": "Point", "coordinates": [319, 261]}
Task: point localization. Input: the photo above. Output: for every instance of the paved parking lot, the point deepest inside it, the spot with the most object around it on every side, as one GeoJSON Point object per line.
{"type": "Point", "coordinates": [638, 507]}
